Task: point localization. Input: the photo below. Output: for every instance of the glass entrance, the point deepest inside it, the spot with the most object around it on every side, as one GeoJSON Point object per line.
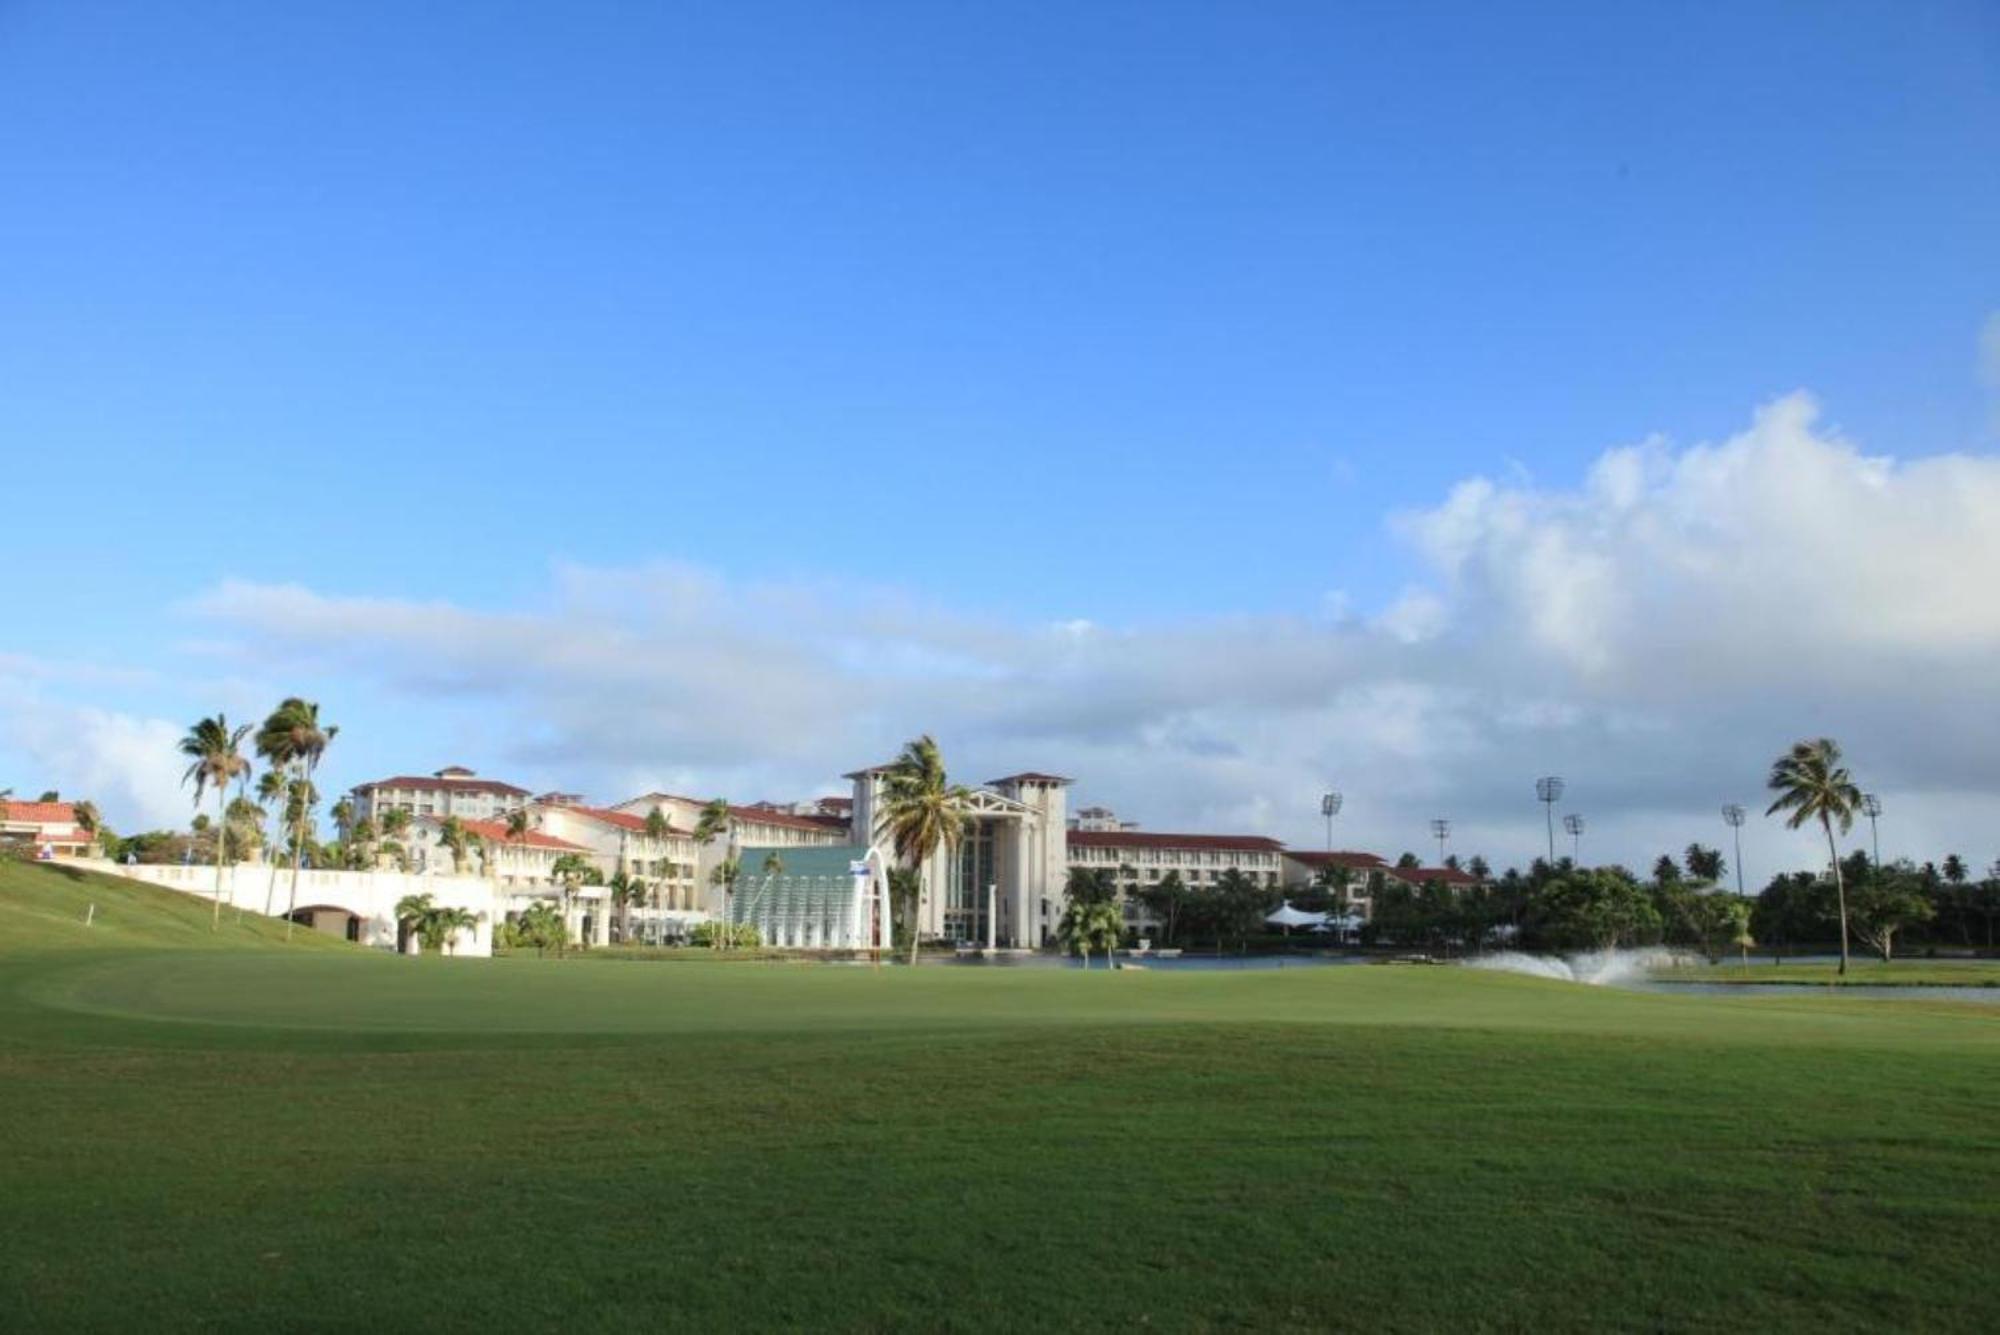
{"type": "Point", "coordinates": [965, 905]}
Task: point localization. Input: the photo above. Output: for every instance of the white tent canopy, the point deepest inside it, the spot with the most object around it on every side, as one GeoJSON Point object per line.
{"type": "Point", "coordinates": [1287, 916]}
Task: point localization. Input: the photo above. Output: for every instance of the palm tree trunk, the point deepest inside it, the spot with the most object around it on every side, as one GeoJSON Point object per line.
{"type": "Point", "coordinates": [215, 918]}
{"type": "Point", "coordinates": [916, 912]}
{"type": "Point", "coordinates": [298, 854]}
{"type": "Point", "coordinates": [1839, 889]}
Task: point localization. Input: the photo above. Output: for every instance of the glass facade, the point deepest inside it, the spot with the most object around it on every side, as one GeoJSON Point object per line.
{"type": "Point", "coordinates": [965, 904]}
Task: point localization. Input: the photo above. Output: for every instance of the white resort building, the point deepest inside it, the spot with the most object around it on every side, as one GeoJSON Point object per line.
{"type": "Point", "coordinates": [809, 874]}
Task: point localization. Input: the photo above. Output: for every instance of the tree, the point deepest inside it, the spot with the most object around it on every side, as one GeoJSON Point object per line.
{"type": "Point", "coordinates": [1240, 904]}
{"type": "Point", "coordinates": [1601, 908]}
{"type": "Point", "coordinates": [657, 825]}
{"type": "Point", "coordinates": [905, 892]}
{"type": "Point", "coordinates": [1091, 885]}
{"type": "Point", "coordinates": [1812, 784]}
{"type": "Point", "coordinates": [87, 818]}
{"type": "Point", "coordinates": [724, 876]}
{"type": "Point", "coordinates": [570, 871]}
{"type": "Point", "coordinates": [215, 753]}
{"type": "Point", "coordinates": [1167, 900]}
{"type": "Point", "coordinates": [435, 926]}
{"type": "Point", "coordinates": [410, 911]}
{"type": "Point", "coordinates": [1704, 865]}
{"type": "Point", "coordinates": [1090, 924]}
{"type": "Point", "coordinates": [626, 891]}
{"type": "Point", "coordinates": [539, 926]}
{"type": "Point", "coordinates": [1407, 862]}
{"type": "Point", "coordinates": [922, 810]}
{"type": "Point", "coordinates": [456, 840]}
{"type": "Point", "coordinates": [711, 824]}
{"type": "Point", "coordinates": [292, 738]}
{"type": "Point", "coordinates": [1884, 904]}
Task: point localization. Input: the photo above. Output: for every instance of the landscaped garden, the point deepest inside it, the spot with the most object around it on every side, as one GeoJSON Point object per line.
{"type": "Point", "coordinates": [215, 1128]}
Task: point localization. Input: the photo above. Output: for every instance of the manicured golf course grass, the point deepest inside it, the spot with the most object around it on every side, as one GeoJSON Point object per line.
{"type": "Point", "coordinates": [219, 1130]}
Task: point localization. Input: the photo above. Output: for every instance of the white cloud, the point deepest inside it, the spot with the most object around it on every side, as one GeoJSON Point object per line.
{"type": "Point", "coordinates": [1655, 632]}
{"type": "Point", "coordinates": [126, 763]}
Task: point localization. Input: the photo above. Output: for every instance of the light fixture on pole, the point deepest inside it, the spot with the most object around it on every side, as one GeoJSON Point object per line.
{"type": "Point", "coordinates": [1440, 831]}
{"type": "Point", "coordinates": [1871, 807]}
{"type": "Point", "coordinates": [1549, 791]}
{"type": "Point", "coordinates": [1329, 807]}
{"type": "Point", "coordinates": [1732, 816]}
{"type": "Point", "coordinates": [1574, 824]}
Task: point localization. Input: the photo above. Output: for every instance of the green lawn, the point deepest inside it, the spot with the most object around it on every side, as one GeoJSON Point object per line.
{"type": "Point", "coordinates": [1861, 970]}
{"type": "Point", "coordinates": [262, 1137]}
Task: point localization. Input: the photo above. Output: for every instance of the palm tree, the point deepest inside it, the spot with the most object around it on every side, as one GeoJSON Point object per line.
{"type": "Point", "coordinates": [273, 787]}
{"type": "Point", "coordinates": [1812, 784]}
{"type": "Point", "coordinates": [713, 824]}
{"type": "Point", "coordinates": [922, 810]}
{"type": "Point", "coordinates": [570, 870]}
{"type": "Point", "coordinates": [411, 910]}
{"type": "Point", "coordinates": [518, 821]}
{"type": "Point", "coordinates": [343, 822]}
{"type": "Point", "coordinates": [293, 738]}
{"type": "Point", "coordinates": [456, 840]}
{"type": "Point", "coordinates": [1091, 923]}
{"type": "Point", "coordinates": [214, 750]}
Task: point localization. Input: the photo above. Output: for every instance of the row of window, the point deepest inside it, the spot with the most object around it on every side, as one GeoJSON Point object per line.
{"type": "Point", "coordinates": [1181, 857]}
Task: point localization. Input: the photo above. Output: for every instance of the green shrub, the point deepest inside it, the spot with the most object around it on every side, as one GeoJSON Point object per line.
{"type": "Point", "coordinates": [736, 936]}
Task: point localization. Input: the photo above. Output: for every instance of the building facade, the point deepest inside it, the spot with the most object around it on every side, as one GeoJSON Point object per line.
{"type": "Point", "coordinates": [49, 828]}
{"type": "Point", "coordinates": [1140, 859]}
{"type": "Point", "coordinates": [452, 791]}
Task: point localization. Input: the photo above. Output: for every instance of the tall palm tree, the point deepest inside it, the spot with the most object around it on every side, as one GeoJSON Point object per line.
{"type": "Point", "coordinates": [1812, 784]}
{"type": "Point", "coordinates": [215, 752]}
{"type": "Point", "coordinates": [273, 787]}
{"type": "Point", "coordinates": [710, 825]}
{"type": "Point", "coordinates": [518, 821]}
{"type": "Point", "coordinates": [293, 738]}
{"type": "Point", "coordinates": [922, 810]}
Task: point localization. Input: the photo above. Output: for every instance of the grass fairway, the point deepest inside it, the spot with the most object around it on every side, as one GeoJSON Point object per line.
{"type": "Point", "coordinates": [1861, 972]}
{"type": "Point", "coordinates": [256, 1137]}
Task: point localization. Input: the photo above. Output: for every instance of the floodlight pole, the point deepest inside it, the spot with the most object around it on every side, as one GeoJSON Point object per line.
{"type": "Point", "coordinates": [1732, 816]}
{"type": "Point", "coordinates": [1329, 807]}
{"type": "Point", "coordinates": [1549, 791]}
{"type": "Point", "coordinates": [1871, 807]}
{"type": "Point", "coordinates": [1441, 831]}
{"type": "Point", "coordinates": [1574, 824]}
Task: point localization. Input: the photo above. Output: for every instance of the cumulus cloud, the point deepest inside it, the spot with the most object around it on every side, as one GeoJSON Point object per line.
{"type": "Point", "coordinates": [1655, 632]}
{"type": "Point", "coordinates": [126, 763]}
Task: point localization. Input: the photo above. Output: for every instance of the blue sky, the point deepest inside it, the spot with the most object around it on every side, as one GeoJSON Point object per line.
{"type": "Point", "coordinates": [1151, 316]}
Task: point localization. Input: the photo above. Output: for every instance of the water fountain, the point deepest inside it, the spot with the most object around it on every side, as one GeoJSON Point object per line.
{"type": "Point", "coordinates": [1599, 968]}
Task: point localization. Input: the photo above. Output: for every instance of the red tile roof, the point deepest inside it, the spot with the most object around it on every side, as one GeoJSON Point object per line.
{"type": "Point", "coordinates": [37, 813]}
{"type": "Point", "coordinates": [760, 815]}
{"type": "Point", "coordinates": [495, 832]}
{"type": "Point", "coordinates": [1256, 843]}
{"type": "Point", "coordinates": [1339, 858]}
{"type": "Point", "coordinates": [432, 781]}
{"type": "Point", "coordinates": [624, 820]}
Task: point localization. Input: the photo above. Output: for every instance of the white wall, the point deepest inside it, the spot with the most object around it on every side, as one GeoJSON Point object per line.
{"type": "Point", "coordinates": [371, 896]}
